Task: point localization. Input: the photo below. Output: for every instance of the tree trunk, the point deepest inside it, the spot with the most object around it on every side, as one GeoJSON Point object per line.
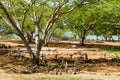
{"type": "Point", "coordinates": [97, 37]}
{"type": "Point", "coordinates": [46, 41]}
{"type": "Point", "coordinates": [48, 37]}
{"type": "Point", "coordinates": [111, 38]}
{"type": "Point", "coordinates": [82, 38]}
{"type": "Point", "coordinates": [105, 37]}
{"type": "Point", "coordinates": [38, 45]}
{"type": "Point", "coordinates": [29, 36]}
{"type": "Point", "coordinates": [27, 47]}
{"type": "Point", "coordinates": [118, 37]}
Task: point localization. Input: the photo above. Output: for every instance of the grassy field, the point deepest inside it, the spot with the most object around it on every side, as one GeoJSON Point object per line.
{"type": "Point", "coordinates": [115, 50]}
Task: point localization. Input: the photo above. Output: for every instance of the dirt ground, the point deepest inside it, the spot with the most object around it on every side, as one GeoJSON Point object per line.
{"type": "Point", "coordinates": [60, 58]}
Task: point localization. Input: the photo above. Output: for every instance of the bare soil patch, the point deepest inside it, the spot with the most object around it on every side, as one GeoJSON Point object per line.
{"type": "Point", "coordinates": [59, 58]}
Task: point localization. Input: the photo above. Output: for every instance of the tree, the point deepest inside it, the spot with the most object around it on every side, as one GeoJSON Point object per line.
{"type": "Point", "coordinates": [61, 30]}
{"type": "Point", "coordinates": [109, 22]}
{"type": "Point", "coordinates": [13, 12]}
{"type": "Point", "coordinates": [83, 20]}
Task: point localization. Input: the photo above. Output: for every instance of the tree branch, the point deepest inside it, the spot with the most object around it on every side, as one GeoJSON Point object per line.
{"type": "Point", "coordinates": [11, 20]}
{"type": "Point", "coordinates": [40, 18]}
{"type": "Point", "coordinates": [25, 13]}
{"type": "Point", "coordinates": [10, 26]}
{"type": "Point", "coordinates": [73, 8]}
{"type": "Point", "coordinates": [23, 20]}
{"type": "Point", "coordinates": [70, 10]}
{"type": "Point", "coordinates": [15, 16]}
{"type": "Point", "coordinates": [16, 22]}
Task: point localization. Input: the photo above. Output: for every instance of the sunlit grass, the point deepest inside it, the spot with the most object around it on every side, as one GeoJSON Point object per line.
{"type": "Point", "coordinates": [115, 50]}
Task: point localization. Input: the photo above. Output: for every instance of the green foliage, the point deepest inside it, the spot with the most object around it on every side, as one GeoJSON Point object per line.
{"type": "Point", "coordinates": [16, 8]}
{"type": "Point", "coordinates": [61, 30]}
{"type": "Point", "coordinates": [110, 18]}
{"type": "Point", "coordinates": [104, 14]}
{"type": "Point", "coordinates": [28, 26]}
{"type": "Point", "coordinates": [84, 18]}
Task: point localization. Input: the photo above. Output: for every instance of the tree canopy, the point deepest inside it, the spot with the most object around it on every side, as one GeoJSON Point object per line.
{"type": "Point", "coordinates": [45, 18]}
